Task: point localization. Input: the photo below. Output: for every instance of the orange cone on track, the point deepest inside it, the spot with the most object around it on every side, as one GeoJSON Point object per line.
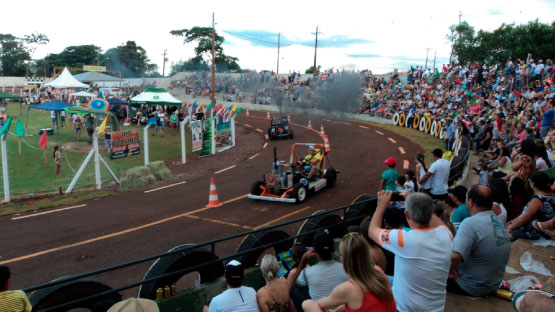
{"type": "Point", "coordinates": [326, 143]}
{"type": "Point", "coordinates": [248, 113]}
{"type": "Point", "coordinates": [309, 125]}
{"type": "Point", "coordinates": [268, 116]}
{"type": "Point", "coordinates": [322, 133]}
{"type": "Point", "coordinates": [213, 197]}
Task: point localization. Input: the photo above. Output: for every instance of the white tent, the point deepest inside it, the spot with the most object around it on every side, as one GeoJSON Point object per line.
{"type": "Point", "coordinates": [82, 94]}
{"type": "Point", "coordinates": [155, 96]}
{"type": "Point", "coordinates": [66, 80]}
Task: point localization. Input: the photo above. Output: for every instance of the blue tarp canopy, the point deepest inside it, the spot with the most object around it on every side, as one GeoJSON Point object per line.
{"type": "Point", "coordinates": [51, 106]}
{"type": "Point", "coordinates": [116, 101]}
{"type": "Point", "coordinates": [56, 106]}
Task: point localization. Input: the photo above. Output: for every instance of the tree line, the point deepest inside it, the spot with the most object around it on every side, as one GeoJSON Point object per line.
{"type": "Point", "coordinates": [508, 41]}
{"type": "Point", "coordinates": [129, 59]}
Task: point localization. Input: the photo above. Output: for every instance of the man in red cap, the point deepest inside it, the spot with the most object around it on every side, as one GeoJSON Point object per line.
{"type": "Point", "coordinates": [389, 177]}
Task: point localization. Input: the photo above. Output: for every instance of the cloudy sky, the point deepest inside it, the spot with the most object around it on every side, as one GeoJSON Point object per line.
{"type": "Point", "coordinates": [380, 35]}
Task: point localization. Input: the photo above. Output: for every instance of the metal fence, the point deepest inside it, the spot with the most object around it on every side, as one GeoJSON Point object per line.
{"type": "Point", "coordinates": [47, 297]}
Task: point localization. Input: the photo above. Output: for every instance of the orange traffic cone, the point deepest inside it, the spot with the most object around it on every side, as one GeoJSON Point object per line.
{"type": "Point", "coordinates": [322, 133]}
{"type": "Point", "coordinates": [309, 125]}
{"type": "Point", "coordinates": [213, 197]}
{"type": "Point", "coordinates": [268, 115]}
{"type": "Point", "coordinates": [248, 113]}
{"type": "Point", "coordinates": [326, 143]}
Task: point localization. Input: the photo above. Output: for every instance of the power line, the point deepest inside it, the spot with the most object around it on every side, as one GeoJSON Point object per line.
{"type": "Point", "coordinates": [259, 40]}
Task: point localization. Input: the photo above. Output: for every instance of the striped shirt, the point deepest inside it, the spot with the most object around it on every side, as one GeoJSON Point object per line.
{"type": "Point", "coordinates": [14, 301]}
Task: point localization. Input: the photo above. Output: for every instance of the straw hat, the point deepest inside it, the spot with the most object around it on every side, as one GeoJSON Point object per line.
{"type": "Point", "coordinates": [135, 305]}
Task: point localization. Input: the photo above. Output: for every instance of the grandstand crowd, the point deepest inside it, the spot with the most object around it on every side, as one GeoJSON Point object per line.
{"type": "Point", "coordinates": [436, 239]}
{"type": "Point", "coordinates": [425, 238]}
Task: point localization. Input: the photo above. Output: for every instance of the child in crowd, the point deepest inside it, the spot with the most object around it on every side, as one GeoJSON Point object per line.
{"type": "Point", "coordinates": [410, 184]}
{"type": "Point", "coordinates": [389, 176]}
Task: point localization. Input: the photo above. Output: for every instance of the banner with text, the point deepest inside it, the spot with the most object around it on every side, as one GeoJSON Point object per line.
{"type": "Point", "coordinates": [223, 136]}
{"type": "Point", "coordinates": [94, 68]}
{"type": "Point", "coordinates": [207, 137]}
{"type": "Point", "coordinates": [125, 143]}
{"type": "Point", "coordinates": [196, 132]}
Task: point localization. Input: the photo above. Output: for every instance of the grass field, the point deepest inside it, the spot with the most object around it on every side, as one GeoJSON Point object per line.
{"type": "Point", "coordinates": [29, 175]}
{"type": "Point", "coordinates": [426, 141]}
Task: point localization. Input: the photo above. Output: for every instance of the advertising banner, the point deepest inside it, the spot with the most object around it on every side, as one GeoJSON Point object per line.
{"type": "Point", "coordinates": [223, 136]}
{"type": "Point", "coordinates": [94, 68]}
{"type": "Point", "coordinates": [125, 143]}
{"type": "Point", "coordinates": [196, 133]}
{"type": "Point", "coordinates": [206, 137]}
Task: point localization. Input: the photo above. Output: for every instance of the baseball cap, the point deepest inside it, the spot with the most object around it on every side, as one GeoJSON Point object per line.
{"type": "Point", "coordinates": [311, 147]}
{"type": "Point", "coordinates": [234, 271]}
{"type": "Point", "coordinates": [323, 244]}
{"type": "Point", "coordinates": [459, 192]}
{"type": "Point", "coordinates": [390, 161]}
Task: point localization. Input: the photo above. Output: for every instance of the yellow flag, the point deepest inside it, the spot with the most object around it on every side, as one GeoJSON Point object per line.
{"type": "Point", "coordinates": [234, 108]}
{"type": "Point", "coordinates": [102, 127]}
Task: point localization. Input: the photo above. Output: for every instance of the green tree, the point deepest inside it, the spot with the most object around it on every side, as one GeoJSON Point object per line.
{"type": "Point", "coordinates": [76, 56]}
{"type": "Point", "coordinates": [12, 55]}
{"type": "Point", "coordinates": [310, 70]}
{"type": "Point", "coordinates": [202, 36]}
{"type": "Point", "coordinates": [130, 59]}
{"type": "Point", "coordinates": [506, 42]}
{"type": "Point", "coordinates": [196, 63]}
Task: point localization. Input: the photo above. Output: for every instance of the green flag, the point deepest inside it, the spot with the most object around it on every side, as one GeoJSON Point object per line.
{"type": "Point", "coordinates": [19, 130]}
{"type": "Point", "coordinates": [6, 126]}
{"type": "Point", "coordinates": [238, 111]}
{"type": "Point", "coordinates": [209, 106]}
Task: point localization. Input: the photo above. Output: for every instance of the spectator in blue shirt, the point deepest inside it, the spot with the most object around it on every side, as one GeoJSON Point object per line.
{"type": "Point", "coordinates": [548, 118]}
{"type": "Point", "coordinates": [450, 134]}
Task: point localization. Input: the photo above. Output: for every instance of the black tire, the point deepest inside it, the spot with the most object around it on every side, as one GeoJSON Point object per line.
{"type": "Point", "coordinates": [363, 206]}
{"type": "Point", "coordinates": [264, 238]}
{"type": "Point", "coordinates": [299, 193]}
{"type": "Point", "coordinates": [255, 188]}
{"type": "Point", "coordinates": [179, 261]}
{"type": "Point", "coordinates": [291, 135]}
{"type": "Point", "coordinates": [332, 222]}
{"type": "Point", "coordinates": [70, 291]}
{"type": "Point", "coordinates": [331, 177]}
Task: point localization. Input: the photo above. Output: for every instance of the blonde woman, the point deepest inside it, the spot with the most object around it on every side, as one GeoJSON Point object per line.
{"type": "Point", "coordinates": [367, 290]}
{"type": "Point", "coordinates": [274, 297]}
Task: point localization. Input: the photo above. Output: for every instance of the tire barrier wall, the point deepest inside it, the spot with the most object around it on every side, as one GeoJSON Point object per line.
{"type": "Point", "coordinates": [434, 127]}
{"type": "Point", "coordinates": [79, 291]}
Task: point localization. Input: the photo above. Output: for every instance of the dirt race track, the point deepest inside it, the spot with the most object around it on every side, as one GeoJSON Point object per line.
{"type": "Point", "coordinates": [40, 247]}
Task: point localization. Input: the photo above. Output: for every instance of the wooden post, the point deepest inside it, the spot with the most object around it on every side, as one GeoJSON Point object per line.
{"type": "Point", "coordinates": [19, 145]}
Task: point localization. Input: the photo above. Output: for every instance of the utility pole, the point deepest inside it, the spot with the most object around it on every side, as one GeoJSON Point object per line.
{"type": "Point", "coordinates": [277, 71]}
{"type": "Point", "coordinates": [315, 49]}
{"type": "Point", "coordinates": [213, 63]}
{"type": "Point", "coordinates": [164, 63]}
{"type": "Point", "coordinates": [426, 66]}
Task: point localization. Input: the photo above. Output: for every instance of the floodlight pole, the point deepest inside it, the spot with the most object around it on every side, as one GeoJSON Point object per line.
{"type": "Point", "coordinates": [5, 171]}
{"type": "Point", "coordinates": [97, 177]}
{"type": "Point", "coordinates": [145, 139]}
{"type": "Point", "coordinates": [233, 130]}
{"type": "Point", "coordinates": [213, 65]}
{"type": "Point", "coordinates": [183, 148]}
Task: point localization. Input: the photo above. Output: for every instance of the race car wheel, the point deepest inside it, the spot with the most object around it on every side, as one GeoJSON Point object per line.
{"type": "Point", "coordinates": [255, 188]}
{"type": "Point", "coordinates": [291, 135]}
{"type": "Point", "coordinates": [331, 177]}
{"type": "Point", "coordinates": [299, 193]}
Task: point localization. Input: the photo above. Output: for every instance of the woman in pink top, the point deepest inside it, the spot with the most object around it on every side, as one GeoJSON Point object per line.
{"type": "Point", "coordinates": [367, 290]}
